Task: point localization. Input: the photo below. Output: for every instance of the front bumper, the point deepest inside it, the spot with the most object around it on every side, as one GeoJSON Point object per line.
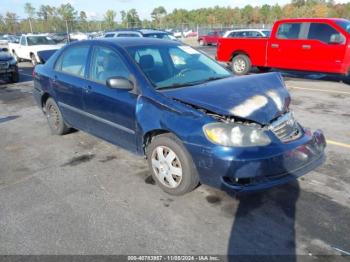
{"type": "Point", "coordinates": [253, 169]}
{"type": "Point", "coordinates": [8, 71]}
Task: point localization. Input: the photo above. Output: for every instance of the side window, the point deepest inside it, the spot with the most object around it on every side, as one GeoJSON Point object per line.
{"type": "Point", "coordinates": [109, 35]}
{"type": "Point", "coordinates": [210, 33]}
{"type": "Point", "coordinates": [322, 32]}
{"type": "Point", "coordinates": [23, 41]}
{"type": "Point", "coordinates": [73, 61]}
{"type": "Point", "coordinates": [106, 63]}
{"type": "Point", "coordinates": [289, 31]}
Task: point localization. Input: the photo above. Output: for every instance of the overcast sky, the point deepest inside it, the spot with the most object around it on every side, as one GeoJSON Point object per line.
{"type": "Point", "coordinates": [96, 9]}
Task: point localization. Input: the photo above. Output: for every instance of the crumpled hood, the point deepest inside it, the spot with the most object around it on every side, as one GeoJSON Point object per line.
{"type": "Point", "coordinates": [5, 56]}
{"type": "Point", "coordinates": [260, 98]}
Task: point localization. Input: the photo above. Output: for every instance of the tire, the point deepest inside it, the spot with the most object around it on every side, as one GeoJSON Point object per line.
{"type": "Point", "coordinates": [16, 56]}
{"type": "Point", "coordinates": [15, 77]}
{"type": "Point", "coordinates": [33, 60]}
{"type": "Point", "coordinates": [177, 174]}
{"type": "Point", "coordinates": [202, 43]}
{"type": "Point", "coordinates": [55, 118]}
{"type": "Point", "coordinates": [241, 64]}
{"type": "Point", "coordinates": [264, 69]}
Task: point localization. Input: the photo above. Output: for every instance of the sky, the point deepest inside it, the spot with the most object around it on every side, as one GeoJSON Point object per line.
{"type": "Point", "coordinates": [96, 9]}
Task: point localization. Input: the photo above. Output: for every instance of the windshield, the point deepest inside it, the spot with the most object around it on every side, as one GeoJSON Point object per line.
{"type": "Point", "coordinates": [39, 40]}
{"type": "Point", "coordinates": [158, 35]}
{"type": "Point", "coordinates": [176, 66]}
{"type": "Point", "coordinates": [345, 24]}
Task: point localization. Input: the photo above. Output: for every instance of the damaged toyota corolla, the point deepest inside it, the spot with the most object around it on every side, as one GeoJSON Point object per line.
{"type": "Point", "coordinates": [193, 120]}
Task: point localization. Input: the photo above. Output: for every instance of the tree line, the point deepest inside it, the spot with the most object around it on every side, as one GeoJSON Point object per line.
{"type": "Point", "coordinates": [46, 18]}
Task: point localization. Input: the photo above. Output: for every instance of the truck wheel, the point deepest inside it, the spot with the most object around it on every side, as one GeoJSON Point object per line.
{"type": "Point", "coordinates": [15, 77]}
{"type": "Point", "coordinates": [55, 118]}
{"type": "Point", "coordinates": [264, 69]}
{"type": "Point", "coordinates": [16, 56]}
{"type": "Point", "coordinates": [171, 165]}
{"type": "Point", "coordinates": [33, 60]}
{"type": "Point", "coordinates": [241, 64]}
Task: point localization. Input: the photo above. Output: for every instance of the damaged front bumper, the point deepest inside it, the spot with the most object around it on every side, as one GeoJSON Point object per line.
{"type": "Point", "coordinates": [252, 169]}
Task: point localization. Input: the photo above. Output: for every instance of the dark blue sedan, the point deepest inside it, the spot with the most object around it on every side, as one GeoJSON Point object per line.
{"type": "Point", "coordinates": [192, 119]}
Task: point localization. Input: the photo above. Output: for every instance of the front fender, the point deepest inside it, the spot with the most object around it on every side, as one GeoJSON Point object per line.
{"type": "Point", "coordinates": [185, 123]}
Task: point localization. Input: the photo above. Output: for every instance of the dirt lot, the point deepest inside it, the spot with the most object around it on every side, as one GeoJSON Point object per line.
{"type": "Point", "coordinates": [77, 194]}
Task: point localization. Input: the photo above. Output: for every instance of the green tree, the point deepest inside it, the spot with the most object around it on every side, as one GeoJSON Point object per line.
{"type": "Point", "coordinates": [67, 12]}
{"type": "Point", "coordinates": [109, 18]}
{"type": "Point", "coordinates": [158, 14]}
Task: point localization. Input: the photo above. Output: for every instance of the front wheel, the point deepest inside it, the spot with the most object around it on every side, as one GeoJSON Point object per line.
{"type": "Point", "coordinates": [241, 64]}
{"type": "Point", "coordinates": [15, 77]}
{"type": "Point", "coordinates": [171, 165]}
{"type": "Point", "coordinates": [55, 118]}
{"type": "Point", "coordinates": [33, 60]}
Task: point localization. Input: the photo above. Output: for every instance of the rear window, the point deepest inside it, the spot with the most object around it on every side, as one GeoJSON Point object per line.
{"type": "Point", "coordinates": [289, 31]}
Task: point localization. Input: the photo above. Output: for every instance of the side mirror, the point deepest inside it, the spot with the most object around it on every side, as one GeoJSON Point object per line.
{"type": "Point", "coordinates": [337, 39]}
{"type": "Point", "coordinates": [119, 83]}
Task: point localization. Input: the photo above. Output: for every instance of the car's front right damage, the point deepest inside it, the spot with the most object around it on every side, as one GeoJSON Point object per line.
{"type": "Point", "coordinates": [254, 144]}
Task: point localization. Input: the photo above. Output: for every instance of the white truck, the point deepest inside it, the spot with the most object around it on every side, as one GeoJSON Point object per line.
{"type": "Point", "coordinates": [29, 46]}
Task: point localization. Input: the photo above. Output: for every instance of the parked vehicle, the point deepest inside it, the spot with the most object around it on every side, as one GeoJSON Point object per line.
{"type": "Point", "coordinates": [211, 38]}
{"type": "Point", "coordinates": [247, 33]}
{"type": "Point", "coordinates": [78, 36]}
{"type": "Point", "coordinates": [3, 41]}
{"type": "Point", "coordinates": [8, 66]}
{"type": "Point", "coordinates": [192, 119]}
{"type": "Point", "coordinates": [150, 33]}
{"type": "Point", "coordinates": [29, 45]}
{"type": "Point", "coordinates": [319, 45]}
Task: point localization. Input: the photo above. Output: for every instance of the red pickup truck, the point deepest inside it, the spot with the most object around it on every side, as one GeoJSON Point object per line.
{"type": "Point", "coordinates": [307, 44]}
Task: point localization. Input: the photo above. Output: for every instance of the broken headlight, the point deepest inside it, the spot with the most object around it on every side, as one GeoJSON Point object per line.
{"type": "Point", "coordinates": [236, 135]}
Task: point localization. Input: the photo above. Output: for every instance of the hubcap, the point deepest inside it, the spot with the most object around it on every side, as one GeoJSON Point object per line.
{"type": "Point", "coordinates": [53, 117]}
{"type": "Point", "coordinates": [166, 166]}
{"type": "Point", "coordinates": [239, 65]}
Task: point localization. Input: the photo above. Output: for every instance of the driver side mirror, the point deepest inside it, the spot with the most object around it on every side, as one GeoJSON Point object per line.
{"type": "Point", "coordinates": [337, 39]}
{"type": "Point", "coordinates": [119, 83]}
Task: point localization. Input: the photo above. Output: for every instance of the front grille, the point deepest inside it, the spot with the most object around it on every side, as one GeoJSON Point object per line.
{"type": "Point", "coordinates": [286, 128]}
{"type": "Point", "coordinates": [4, 65]}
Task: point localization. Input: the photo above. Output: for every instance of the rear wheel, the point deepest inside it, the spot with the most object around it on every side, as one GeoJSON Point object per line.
{"type": "Point", "coordinates": [171, 165]}
{"type": "Point", "coordinates": [55, 118]}
{"type": "Point", "coordinates": [241, 64]}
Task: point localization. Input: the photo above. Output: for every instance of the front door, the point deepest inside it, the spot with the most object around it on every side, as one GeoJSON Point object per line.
{"type": "Point", "coordinates": [111, 111]}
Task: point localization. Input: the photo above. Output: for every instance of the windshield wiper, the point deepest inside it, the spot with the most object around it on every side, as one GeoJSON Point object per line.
{"type": "Point", "coordinates": [176, 85]}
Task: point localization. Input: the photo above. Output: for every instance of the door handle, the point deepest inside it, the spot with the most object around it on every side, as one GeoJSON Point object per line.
{"type": "Point", "coordinates": [306, 47]}
{"type": "Point", "coordinates": [275, 45]}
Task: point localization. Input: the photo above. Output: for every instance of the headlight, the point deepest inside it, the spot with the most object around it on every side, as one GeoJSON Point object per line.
{"type": "Point", "coordinates": [13, 61]}
{"type": "Point", "coordinates": [235, 135]}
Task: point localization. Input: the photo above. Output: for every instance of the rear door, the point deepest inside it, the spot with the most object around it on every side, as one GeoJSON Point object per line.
{"type": "Point", "coordinates": [68, 82]}
{"type": "Point", "coordinates": [285, 47]}
{"type": "Point", "coordinates": [111, 111]}
{"type": "Point", "coordinates": [319, 53]}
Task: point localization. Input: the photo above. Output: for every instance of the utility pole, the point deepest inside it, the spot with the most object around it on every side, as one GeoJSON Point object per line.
{"type": "Point", "coordinates": [30, 25]}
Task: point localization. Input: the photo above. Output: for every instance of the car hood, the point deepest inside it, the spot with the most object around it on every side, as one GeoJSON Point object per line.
{"type": "Point", "coordinates": [5, 56]}
{"type": "Point", "coordinates": [259, 98]}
